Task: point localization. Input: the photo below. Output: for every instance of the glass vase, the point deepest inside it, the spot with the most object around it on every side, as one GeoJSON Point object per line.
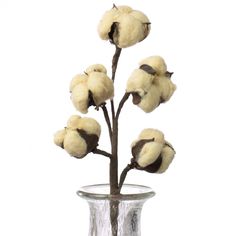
{"type": "Point", "coordinates": [115, 215]}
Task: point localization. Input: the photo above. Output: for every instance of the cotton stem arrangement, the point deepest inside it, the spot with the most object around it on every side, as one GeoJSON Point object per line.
{"type": "Point", "coordinates": [149, 86]}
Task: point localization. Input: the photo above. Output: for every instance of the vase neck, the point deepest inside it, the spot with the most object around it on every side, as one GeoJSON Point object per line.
{"type": "Point", "coordinates": [116, 215]}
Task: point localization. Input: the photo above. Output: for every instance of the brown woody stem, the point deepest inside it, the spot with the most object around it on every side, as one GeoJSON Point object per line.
{"type": "Point", "coordinates": [114, 188]}
{"type": "Point", "coordinates": [101, 152]}
{"type": "Point", "coordinates": [115, 62]}
{"type": "Point", "coordinates": [112, 109]}
{"type": "Point", "coordinates": [122, 102]}
{"type": "Point", "coordinates": [107, 118]}
{"type": "Point", "coordinates": [124, 174]}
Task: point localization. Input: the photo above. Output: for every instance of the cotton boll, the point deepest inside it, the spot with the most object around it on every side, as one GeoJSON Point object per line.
{"type": "Point", "coordinates": [79, 137]}
{"type": "Point", "coordinates": [109, 85]}
{"type": "Point", "coordinates": [124, 9]}
{"type": "Point", "coordinates": [80, 78]}
{"type": "Point", "coordinates": [93, 88]}
{"type": "Point", "coordinates": [146, 94]}
{"type": "Point", "coordinates": [152, 133]}
{"type": "Point", "coordinates": [74, 144]}
{"type": "Point", "coordinates": [146, 30]}
{"type": "Point", "coordinates": [151, 100]}
{"type": "Point", "coordinates": [140, 16]}
{"type": "Point", "coordinates": [80, 97]}
{"type": "Point", "coordinates": [130, 31]}
{"type": "Point", "coordinates": [157, 63]}
{"type": "Point", "coordinates": [101, 87]}
{"type": "Point", "coordinates": [106, 22]}
{"type": "Point", "coordinates": [96, 68]}
{"type": "Point", "coordinates": [150, 85]}
{"type": "Point", "coordinates": [149, 153]}
{"type": "Point", "coordinates": [139, 81]}
{"type": "Point", "coordinates": [73, 122]}
{"type": "Point", "coordinates": [59, 138]}
{"type": "Point", "coordinates": [145, 22]}
{"type": "Point", "coordinates": [167, 154]}
{"type": "Point", "coordinates": [89, 125]}
{"type": "Point", "coordinates": [166, 86]}
{"type": "Point", "coordinates": [123, 28]}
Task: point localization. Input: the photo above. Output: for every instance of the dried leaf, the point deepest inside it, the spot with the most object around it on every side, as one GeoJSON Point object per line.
{"type": "Point", "coordinates": [90, 139]}
{"type": "Point", "coordinates": [155, 166]}
{"type": "Point", "coordinates": [136, 98]}
{"type": "Point", "coordinates": [139, 145]}
{"type": "Point", "coordinates": [148, 69]}
{"type": "Point", "coordinates": [169, 74]}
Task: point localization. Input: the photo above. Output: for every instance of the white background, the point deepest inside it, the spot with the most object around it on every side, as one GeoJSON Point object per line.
{"type": "Point", "coordinates": [43, 44]}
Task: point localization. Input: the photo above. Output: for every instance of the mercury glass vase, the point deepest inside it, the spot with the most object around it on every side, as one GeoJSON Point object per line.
{"type": "Point", "coordinates": [115, 215]}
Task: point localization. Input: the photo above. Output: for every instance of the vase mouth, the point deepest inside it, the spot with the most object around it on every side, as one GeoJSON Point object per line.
{"type": "Point", "coordinates": [128, 192]}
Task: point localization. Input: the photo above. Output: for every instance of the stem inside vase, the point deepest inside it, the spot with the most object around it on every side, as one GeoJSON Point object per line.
{"type": "Point", "coordinates": [129, 204]}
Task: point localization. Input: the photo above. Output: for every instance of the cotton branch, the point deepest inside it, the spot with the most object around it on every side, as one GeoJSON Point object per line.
{"type": "Point", "coordinates": [122, 102]}
{"type": "Point", "coordinates": [115, 60]}
{"type": "Point", "coordinates": [112, 109]}
{"type": "Point", "coordinates": [114, 140]}
{"type": "Point", "coordinates": [101, 152]}
{"type": "Point", "coordinates": [124, 174]}
{"type": "Point", "coordinates": [107, 118]}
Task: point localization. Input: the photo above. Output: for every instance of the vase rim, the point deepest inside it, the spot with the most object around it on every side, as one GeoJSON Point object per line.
{"type": "Point", "coordinates": [128, 192]}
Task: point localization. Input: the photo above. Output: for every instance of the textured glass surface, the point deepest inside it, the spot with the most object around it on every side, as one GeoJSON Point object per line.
{"type": "Point", "coordinates": [127, 206]}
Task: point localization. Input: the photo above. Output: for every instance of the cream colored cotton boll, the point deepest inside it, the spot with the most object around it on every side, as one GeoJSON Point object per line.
{"type": "Point", "coordinates": [146, 25]}
{"type": "Point", "coordinates": [59, 137]}
{"type": "Point", "coordinates": [124, 9]}
{"type": "Point", "coordinates": [139, 16]}
{"type": "Point", "coordinates": [166, 86]}
{"type": "Point", "coordinates": [152, 133]}
{"type": "Point", "coordinates": [130, 32]}
{"type": "Point", "coordinates": [123, 28]}
{"type": "Point", "coordinates": [108, 83]}
{"type": "Point", "coordinates": [151, 100]}
{"type": "Point", "coordinates": [157, 63]}
{"type": "Point", "coordinates": [109, 18]}
{"type": "Point", "coordinates": [80, 97]}
{"type": "Point", "coordinates": [96, 68]}
{"type": "Point", "coordinates": [90, 126]}
{"type": "Point", "coordinates": [140, 82]}
{"type": "Point", "coordinates": [167, 154]}
{"type": "Point", "coordinates": [74, 144]}
{"type": "Point", "coordinates": [80, 78]}
{"type": "Point", "coordinates": [149, 153]}
{"type": "Point", "coordinates": [73, 122]}
{"type": "Point", "coordinates": [101, 87]}
{"type": "Point", "coordinates": [106, 22]}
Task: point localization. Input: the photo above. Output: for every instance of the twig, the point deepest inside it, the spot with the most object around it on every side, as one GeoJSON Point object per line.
{"type": "Point", "coordinates": [107, 118]}
{"type": "Point", "coordinates": [124, 174]}
{"type": "Point", "coordinates": [112, 109]}
{"type": "Point", "coordinates": [115, 62]}
{"type": "Point", "coordinates": [101, 152]}
{"type": "Point", "coordinates": [122, 102]}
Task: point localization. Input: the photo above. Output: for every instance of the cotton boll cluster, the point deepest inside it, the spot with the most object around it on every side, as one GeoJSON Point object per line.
{"type": "Point", "coordinates": [124, 26]}
{"type": "Point", "coordinates": [79, 137]}
{"type": "Point", "coordinates": [151, 152]}
{"type": "Point", "coordinates": [150, 85]}
{"type": "Point", "coordinates": [92, 88]}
